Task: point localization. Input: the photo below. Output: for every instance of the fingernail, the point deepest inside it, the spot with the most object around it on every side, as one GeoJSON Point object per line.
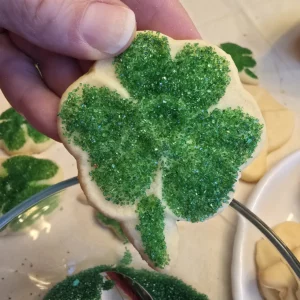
{"type": "Point", "coordinates": [108, 28]}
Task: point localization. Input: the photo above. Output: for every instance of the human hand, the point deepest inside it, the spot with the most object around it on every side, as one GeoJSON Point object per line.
{"type": "Point", "coordinates": [62, 37]}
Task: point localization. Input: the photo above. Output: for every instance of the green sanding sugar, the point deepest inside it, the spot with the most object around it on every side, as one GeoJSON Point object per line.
{"type": "Point", "coordinates": [87, 285]}
{"type": "Point", "coordinates": [242, 58]}
{"type": "Point", "coordinates": [151, 226]}
{"type": "Point", "coordinates": [161, 286]}
{"type": "Point", "coordinates": [20, 180]}
{"type": "Point", "coordinates": [91, 282]}
{"type": "Point", "coordinates": [112, 132]}
{"type": "Point", "coordinates": [113, 225]}
{"type": "Point", "coordinates": [12, 130]}
{"type": "Point", "coordinates": [126, 259]}
{"type": "Point", "coordinates": [164, 124]}
{"type": "Point", "coordinates": [33, 214]}
{"type": "Point", "coordinates": [250, 73]}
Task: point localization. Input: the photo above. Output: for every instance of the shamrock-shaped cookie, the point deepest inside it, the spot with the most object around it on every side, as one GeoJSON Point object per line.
{"type": "Point", "coordinates": [244, 61]}
{"type": "Point", "coordinates": [17, 136]}
{"type": "Point", "coordinates": [160, 134]}
{"type": "Point", "coordinates": [22, 177]}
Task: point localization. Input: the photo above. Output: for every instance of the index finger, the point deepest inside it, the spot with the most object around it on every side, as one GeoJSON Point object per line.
{"type": "Point", "coordinates": [166, 16]}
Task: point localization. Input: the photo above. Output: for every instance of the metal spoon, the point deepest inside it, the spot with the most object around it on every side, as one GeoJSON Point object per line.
{"type": "Point", "coordinates": [240, 208]}
{"type": "Point", "coordinates": [127, 287]}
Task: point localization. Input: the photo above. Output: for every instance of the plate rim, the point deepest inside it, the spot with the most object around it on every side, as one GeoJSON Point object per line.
{"type": "Point", "coordinates": [236, 270]}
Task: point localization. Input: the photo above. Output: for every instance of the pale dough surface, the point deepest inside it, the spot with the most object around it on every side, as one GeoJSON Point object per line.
{"type": "Point", "coordinates": [280, 123]}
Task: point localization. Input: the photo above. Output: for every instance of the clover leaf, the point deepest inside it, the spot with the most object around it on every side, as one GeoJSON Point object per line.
{"type": "Point", "coordinates": [167, 124]}
{"type": "Point", "coordinates": [15, 130]}
{"type": "Point", "coordinates": [242, 58]}
{"type": "Point", "coordinates": [20, 178]}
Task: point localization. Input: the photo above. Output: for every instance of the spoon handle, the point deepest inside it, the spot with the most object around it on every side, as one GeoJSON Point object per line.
{"type": "Point", "coordinates": [240, 208]}
{"type": "Point", "coordinates": [269, 234]}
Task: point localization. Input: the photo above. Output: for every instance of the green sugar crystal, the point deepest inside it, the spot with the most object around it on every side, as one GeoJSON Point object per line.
{"type": "Point", "coordinates": [113, 225]}
{"type": "Point", "coordinates": [151, 225]}
{"type": "Point", "coordinates": [242, 58]}
{"type": "Point", "coordinates": [91, 284]}
{"type": "Point", "coordinates": [126, 259]}
{"type": "Point", "coordinates": [165, 124]}
{"type": "Point", "coordinates": [87, 285]}
{"type": "Point", "coordinates": [12, 130]}
{"type": "Point", "coordinates": [19, 181]}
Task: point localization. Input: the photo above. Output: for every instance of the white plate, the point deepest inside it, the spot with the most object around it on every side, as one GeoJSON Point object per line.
{"type": "Point", "coordinates": [275, 199]}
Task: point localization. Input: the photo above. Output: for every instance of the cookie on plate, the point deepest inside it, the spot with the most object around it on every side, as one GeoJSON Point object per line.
{"type": "Point", "coordinates": [17, 136]}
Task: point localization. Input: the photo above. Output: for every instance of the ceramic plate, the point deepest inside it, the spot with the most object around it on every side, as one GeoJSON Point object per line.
{"type": "Point", "coordinates": [275, 199]}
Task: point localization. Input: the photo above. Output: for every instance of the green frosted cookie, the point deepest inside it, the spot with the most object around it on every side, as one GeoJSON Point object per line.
{"type": "Point", "coordinates": [22, 177]}
{"type": "Point", "coordinates": [244, 61]}
{"type": "Point", "coordinates": [17, 136]}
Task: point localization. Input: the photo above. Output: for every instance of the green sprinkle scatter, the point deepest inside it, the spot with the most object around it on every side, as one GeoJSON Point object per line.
{"type": "Point", "coordinates": [113, 225]}
{"type": "Point", "coordinates": [242, 58]}
{"type": "Point", "coordinates": [197, 76]}
{"type": "Point", "coordinates": [151, 225]}
{"type": "Point", "coordinates": [19, 180]}
{"type": "Point", "coordinates": [165, 123]}
{"type": "Point", "coordinates": [12, 130]}
{"type": "Point", "coordinates": [87, 285]}
{"type": "Point", "coordinates": [126, 259]}
{"type": "Point", "coordinates": [159, 286]}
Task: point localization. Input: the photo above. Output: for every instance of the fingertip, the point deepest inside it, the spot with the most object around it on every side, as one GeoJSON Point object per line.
{"type": "Point", "coordinates": [89, 30]}
{"type": "Point", "coordinates": [107, 28]}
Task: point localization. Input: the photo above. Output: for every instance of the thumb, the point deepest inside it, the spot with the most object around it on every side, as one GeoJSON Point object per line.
{"type": "Point", "coordinates": [86, 29]}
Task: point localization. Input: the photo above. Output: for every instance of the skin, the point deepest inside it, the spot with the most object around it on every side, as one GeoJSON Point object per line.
{"type": "Point", "coordinates": [58, 35]}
